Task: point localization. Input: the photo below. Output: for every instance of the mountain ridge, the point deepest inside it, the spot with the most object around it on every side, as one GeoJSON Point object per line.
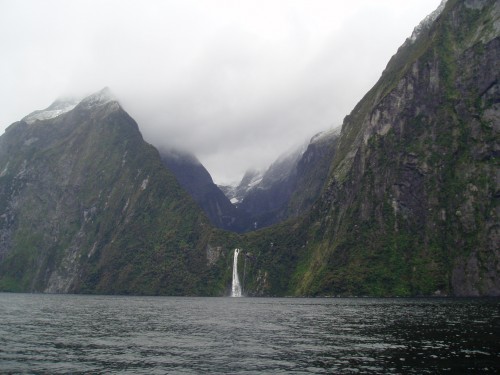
{"type": "Point", "coordinates": [193, 177]}
{"type": "Point", "coordinates": [403, 202]}
{"type": "Point", "coordinates": [89, 207]}
{"type": "Point", "coordinates": [292, 183]}
{"type": "Point", "coordinates": [411, 202]}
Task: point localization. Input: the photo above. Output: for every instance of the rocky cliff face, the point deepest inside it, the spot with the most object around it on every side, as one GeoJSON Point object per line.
{"type": "Point", "coordinates": [87, 206]}
{"type": "Point", "coordinates": [411, 205]}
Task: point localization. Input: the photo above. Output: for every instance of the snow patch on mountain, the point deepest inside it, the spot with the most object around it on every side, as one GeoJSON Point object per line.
{"type": "Point", "coordinates": [99, 98]}
{"type": "Point", "coordinates": [64, 105]}
{"type": "Point", "coordinates": [57, 108]}
{"type": "Point", "coordinates": [326, 135]}
{"type": "Point", "coordinates": [236, 193]}
{"type": "Point", "coordinates": [282, 168]}
{"type": "Point", "coordinates": [426, 22]}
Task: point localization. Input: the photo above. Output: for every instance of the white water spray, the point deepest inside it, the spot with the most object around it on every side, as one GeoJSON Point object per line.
{"type": "Point", "coordinates": [236, 288]}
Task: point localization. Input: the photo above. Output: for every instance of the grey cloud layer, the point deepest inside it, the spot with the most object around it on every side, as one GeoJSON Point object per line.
{"type": "Point", "coordinates": [236, 82]}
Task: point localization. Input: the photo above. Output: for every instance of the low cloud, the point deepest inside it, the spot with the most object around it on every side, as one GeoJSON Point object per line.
{"type": "Point", "coordinates": [235, 82]}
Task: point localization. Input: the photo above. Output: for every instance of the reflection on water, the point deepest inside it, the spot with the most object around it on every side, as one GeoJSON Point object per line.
{"type": "Point", "coordinates": [103, 334]}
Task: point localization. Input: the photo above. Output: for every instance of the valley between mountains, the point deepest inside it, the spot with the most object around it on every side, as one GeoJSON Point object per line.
{"type": "Point", "coordinates": [402, 199]}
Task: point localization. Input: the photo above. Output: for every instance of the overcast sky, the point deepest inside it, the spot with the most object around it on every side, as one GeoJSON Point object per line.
{"type": "Point", "coordinates": [235, 82]}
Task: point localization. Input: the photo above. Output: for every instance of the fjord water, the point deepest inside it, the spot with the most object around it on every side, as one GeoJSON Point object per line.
{"type": "Point", "coordinates": [148, 335]}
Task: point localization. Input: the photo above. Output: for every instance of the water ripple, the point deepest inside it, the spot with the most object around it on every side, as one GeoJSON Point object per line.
{"type": "Point", "coordinates": [157, 335]}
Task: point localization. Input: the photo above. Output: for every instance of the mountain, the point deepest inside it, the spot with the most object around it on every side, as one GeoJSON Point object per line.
{"type": "Point", "coordinates": [411, 204]}
{"type": "Point", "coordinates": [236, 194]}
{"type": "Point", "coordinates": [267, 198]}
{"type": "Point", "coordinates": [287, 189]}
{"type": "Point", "coordinates": [196, 180]}
{"type": "Point", "coordinates": [403, 202]}
{"type": "Point", "coordinates": [87, 206]}
{"type": "Point", "coordinates": [290, 185]}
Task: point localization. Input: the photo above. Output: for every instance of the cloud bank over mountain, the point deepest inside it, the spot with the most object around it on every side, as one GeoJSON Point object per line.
{"type": "Point", "coordinates": [235, 82]}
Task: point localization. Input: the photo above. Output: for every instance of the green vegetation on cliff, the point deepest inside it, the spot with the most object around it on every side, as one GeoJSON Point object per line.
{"type": "Point", "coordinates": [89, 207]}
{"type": "Point", "coordinates": [410, 206]}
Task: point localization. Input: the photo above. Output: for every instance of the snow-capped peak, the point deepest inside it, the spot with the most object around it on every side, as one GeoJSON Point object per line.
{"type": "Point", "coordinates": [427, 21]}
{"type": "Point", "coordinates": [99, 98]}
{"type": "Point", "coordinates": [57, 108]}
{"type": "Point", "coordinates": [61, 106]}
{"type": "Point", "coordinates": [235, 193]}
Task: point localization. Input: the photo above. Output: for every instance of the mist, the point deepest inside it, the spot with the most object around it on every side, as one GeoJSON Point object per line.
{"type": "Point", "coordinates": [235, 82]}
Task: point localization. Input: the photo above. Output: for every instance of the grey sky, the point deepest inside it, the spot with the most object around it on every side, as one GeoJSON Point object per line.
{"type": "Point", "coordinates": [235, 82]}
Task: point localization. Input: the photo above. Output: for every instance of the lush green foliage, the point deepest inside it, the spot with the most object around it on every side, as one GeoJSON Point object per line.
{"type": "Point", "coordinates": [410, 206]}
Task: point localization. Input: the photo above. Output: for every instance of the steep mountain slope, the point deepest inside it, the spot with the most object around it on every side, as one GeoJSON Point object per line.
{"type": "Point", "coordinates": [411, 205]}
{"type": "Point", "coordinates": [193, 177]}
{"type": "Point", "coordinates": [286, 189]}
{"type": "Point", "coordinates": [312, 172]}
{"type": "Point", "coordinates": [265, 200]}
{"type": "Point", "coordinates": [290, 186]}
{"type": "Point", "coordinates": [87, 206]}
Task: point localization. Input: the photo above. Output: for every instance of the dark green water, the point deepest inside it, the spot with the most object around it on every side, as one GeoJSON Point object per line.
{"type": "Point", "coordinates": [158, 335]}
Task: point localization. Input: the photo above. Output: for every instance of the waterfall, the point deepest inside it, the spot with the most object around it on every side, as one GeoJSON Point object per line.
{"type": "Point", "coordinates": [236, 288]}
